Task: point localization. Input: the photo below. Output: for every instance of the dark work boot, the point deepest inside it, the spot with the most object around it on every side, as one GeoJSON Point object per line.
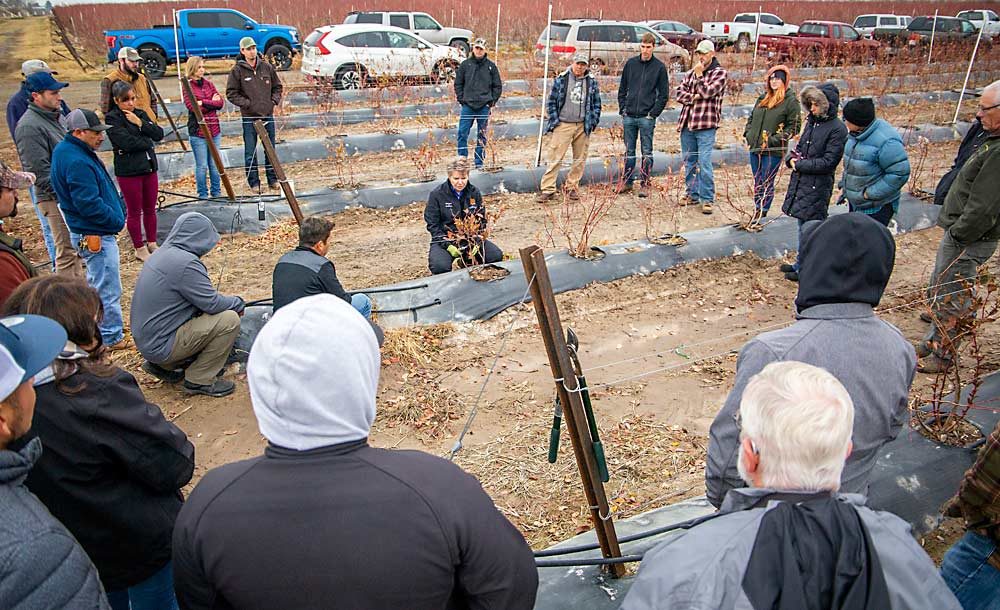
{"type": "Point", "coordinates": [163, 374]}
{"type": "Point", "coordinates": [218, 388]}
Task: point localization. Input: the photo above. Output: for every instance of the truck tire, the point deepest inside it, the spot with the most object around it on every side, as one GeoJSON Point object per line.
{"type": "Point", "coordinates": [743, 43]}
{"type": "Point", "coordinates": [153, 62]}
{"type": "Point", "coordinates": [444, 72]}
{"type": "Point", "coordinates": [351, 76]}
{"type": "Point", "coordinates": [279, 56]}
{"type": "Point", "coordinates": [461, 45]}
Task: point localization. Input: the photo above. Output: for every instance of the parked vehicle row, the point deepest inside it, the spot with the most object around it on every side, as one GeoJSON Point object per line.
{"type": "Point", "coordinates": [609, 44]}
{"type": "Point", "coordinates": [742, 31]}
{"type": "Point", "coordinates": [821, 41]}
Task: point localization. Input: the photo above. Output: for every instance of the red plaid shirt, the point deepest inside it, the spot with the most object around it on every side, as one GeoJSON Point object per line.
{"type": "Point", "coordinates": [702, 98]}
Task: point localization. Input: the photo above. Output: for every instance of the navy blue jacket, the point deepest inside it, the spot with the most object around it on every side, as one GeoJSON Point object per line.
{"type": "Point", "coordinates": [18, 105]}
{"type": "Point", "coordinates": [87, 195]}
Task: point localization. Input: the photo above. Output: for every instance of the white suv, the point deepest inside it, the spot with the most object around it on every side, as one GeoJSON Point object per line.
{"type": "Point", "coordinates": [353, 56]}
{"type": "Point", "coordinates": [866, 24]}
{"type": "Point", "coordinates": [421, 24]}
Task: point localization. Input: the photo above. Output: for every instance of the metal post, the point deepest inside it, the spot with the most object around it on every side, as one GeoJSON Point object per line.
{"type": "Point", "coordinates": [279, 171]}
{"type": "Point", "coordinates": [968, 72]}
{"type": "Point", "coordinates": [547, 312]}
{"type": "Point", "coordinates": [756, 43]}
{"type": "Point", "coordinates": [213, 151]}
{"type": "Point", "coordinates": [545, 82]}
{"type": "Point", "coordinates": [177, 54]}
{"type": "Point", "coordinates": [933, 32]}
{"type": "Point", "coordinates": [496, 42]}
{"type": "Point", "coordinates": [163, 106]}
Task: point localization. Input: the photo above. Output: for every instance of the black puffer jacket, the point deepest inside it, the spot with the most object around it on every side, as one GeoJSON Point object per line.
{"type": "Point", "coordinates": [133, 146]}
{"type": "Point", "coordinates": [443, 208]}
{"type": "Point", "coordinates": [821, 147]}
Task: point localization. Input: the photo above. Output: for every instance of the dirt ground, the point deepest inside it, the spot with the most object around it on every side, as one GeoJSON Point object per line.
{"type": "Point", "coordinates": [660, 350]}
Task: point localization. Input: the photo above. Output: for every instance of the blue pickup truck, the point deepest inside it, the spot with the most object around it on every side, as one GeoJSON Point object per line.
{"type": "Point", "coordinates": [208, 33]}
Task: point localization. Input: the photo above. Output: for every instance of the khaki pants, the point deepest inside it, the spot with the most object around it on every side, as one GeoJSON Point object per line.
{"type": "Point", "coordinates": [564, 135]}
{"type": "Point", "coordinates": [67, 260]}
{"type": "Point", "coordinates": [210, 338]}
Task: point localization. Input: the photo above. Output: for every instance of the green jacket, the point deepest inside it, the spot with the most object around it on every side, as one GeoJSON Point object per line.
{"type": "Point", "coordinates": [971, 211]}
{"type": "Point", "coordinates": [781, 123]}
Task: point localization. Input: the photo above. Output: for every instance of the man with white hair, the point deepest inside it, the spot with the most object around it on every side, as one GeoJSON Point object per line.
{"type": "Point", "coordinates": [970, 218]}
{"type": "Point", "coordinates": [322, 519]}
{"type": "Point", "coordinates": [790, 540]}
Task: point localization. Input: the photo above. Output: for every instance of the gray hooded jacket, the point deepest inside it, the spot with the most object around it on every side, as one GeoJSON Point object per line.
{"type": "Point", "coordinates": [702, 568]}
{"type": "Point", "coordinates": [174, 287]}
{"type": "Point", "coordinates": [36, 136]}
{"type": "Point", "coordinates": [41, 565]}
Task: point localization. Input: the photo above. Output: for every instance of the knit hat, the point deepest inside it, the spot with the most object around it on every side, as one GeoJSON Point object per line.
{"type": "Point", "coordinates": [860, 111]}
{"type": "Point", "coordinates": [313, 374]}
{"type": "Point", "coordinates": [780, 74]}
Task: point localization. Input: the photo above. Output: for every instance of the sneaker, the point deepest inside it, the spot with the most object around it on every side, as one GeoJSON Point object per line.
{"type": "Point", "coordinates": [543, 197]}
{"type": "Point", "coordinates": [217, 389]}
{"type": "Point", "coordinates": [925, 316]}
{"type": "Point", "coordinates": [934, 364]}
{"type": "Point", "coordinates": [163, 374]}
{"type": "Point", "coordinates": [643, 191]}
{"type": "Point", "coordinates": [572, 194]}
{"type": "Point", "coordinates": [923, 350]}
{"type": "Point", "coordinates": [623, 187]}
{"type": "Point", "coordinates": [786, 268]}
{"type": "Point", "coordinates": [123, 343]}
{"type": "Point", "coordinates": [706, 208]}
{"type": "Point", "coordinates": [792, 276]}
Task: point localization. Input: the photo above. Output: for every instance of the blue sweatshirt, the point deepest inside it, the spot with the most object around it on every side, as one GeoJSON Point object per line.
{"type": "Point", "coordinates": [87, 195]}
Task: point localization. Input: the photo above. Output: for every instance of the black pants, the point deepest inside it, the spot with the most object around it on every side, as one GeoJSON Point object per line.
{"type": "Point", "coordinates": [439, 260]}
{"type": "Point", "coordinates": [883, 216]}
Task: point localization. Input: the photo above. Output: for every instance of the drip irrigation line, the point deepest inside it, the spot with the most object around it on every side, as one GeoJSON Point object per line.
{"type": "Point", "coordinates": [595, 561]}
{"type": "Point", "coordinates": [475, 407]}
{"type": "Point", "coordinates": [681, 525]}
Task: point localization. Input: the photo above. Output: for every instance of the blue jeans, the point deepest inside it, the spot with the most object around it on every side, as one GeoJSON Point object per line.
{"type": "Point", "coordinates": [643, 129]}
{"type": "Point", "coordinates": [765, 170]}
{"type": "Point", "coordinates": [154, 593]}
{"type": "Point", "coordinates": [50, 244]}
{"type": "Point", "coordinates": [363, 304]}
{"type": "Point", "coordinates": [103, 273]}
{"type": "Point", "coordinates": [696, 150]}
{"type": "Point", "coordinates": [250, 152]}
{"type": "Point", "coordinates": [468, 116]}
{"type": "Point", "coordinates": [974, 582]}
{"type": "Point", "coordinates": [203, 165]}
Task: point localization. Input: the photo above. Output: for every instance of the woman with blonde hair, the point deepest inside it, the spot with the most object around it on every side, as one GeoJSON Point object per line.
{"type": "Point", "coordinates": [207, 98]}
{"type": "Point", "coordinates": [772, 123]}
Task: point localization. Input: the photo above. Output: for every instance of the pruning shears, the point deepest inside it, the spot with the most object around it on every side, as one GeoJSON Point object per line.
{"type": "Point", "coordinates": [573, 342]}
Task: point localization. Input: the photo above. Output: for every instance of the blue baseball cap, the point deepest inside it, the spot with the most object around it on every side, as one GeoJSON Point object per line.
{"type": "Point", "coordinates": [43, 81]}
{"type": "Point", "coordinates": [33, 342]}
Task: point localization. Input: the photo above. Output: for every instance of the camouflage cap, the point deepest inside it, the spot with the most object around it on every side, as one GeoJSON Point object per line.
{"type": "Point", "coordinates": [11, 179]}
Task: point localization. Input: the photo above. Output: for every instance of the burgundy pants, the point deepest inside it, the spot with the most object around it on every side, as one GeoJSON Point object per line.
{"type": "Point", "coordinates": [140, 194]}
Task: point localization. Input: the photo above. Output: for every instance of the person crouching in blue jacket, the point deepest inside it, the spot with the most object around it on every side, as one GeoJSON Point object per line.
{"type": "Point", "coordinates": [875, 163]}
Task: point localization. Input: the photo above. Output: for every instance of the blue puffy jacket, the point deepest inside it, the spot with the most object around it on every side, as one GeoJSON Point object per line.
{"type": "Point", "coordinates": [875, 168]}
{"type": "Point", "coordinates": [87, 195]}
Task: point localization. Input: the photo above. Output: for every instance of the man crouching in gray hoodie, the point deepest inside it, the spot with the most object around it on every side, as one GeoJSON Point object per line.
{"type": "Point", "coordinates": [179, 320]}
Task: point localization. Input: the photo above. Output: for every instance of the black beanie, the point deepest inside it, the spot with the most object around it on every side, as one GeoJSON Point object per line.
{"type": "Point", "coordinates": [782, 75]}
{"type": "Point", "coordinates": [860, 111]}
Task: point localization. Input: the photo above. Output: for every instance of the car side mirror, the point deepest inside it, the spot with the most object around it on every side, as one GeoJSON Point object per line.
{"type": "Point", "coordinates": [248, 26]}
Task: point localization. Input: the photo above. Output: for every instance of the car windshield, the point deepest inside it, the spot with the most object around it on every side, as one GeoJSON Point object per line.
{"type": "Point", "coordinates": [560, 32]}
{"type": "Point", "coordinates": [866, 21]}
{"type": "Point", "coordinates": [812, 29]}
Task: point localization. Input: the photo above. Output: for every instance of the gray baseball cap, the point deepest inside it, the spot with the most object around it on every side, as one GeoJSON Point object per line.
{"type": "Point", "coordinates": [128, 53]}
{"type": "Point", "coordinates": [581, 58]}
{"type": "Point", "coordinates": [82, 118]}
{"type": "Point", "coordinates": [36, 65]}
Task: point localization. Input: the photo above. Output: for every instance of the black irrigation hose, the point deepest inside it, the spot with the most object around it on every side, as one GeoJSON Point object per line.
{"type": "Point", "coordinates": [595, 561]}
{"type": "Point", "coordinates": [653, 532]}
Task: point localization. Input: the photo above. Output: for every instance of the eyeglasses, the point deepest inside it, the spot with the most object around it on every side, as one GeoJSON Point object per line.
{"type": "Point", "coordinates": [982, 109]}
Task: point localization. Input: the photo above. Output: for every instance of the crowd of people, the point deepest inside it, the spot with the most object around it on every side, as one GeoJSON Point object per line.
{"type": "Point", "coordinates": [92, 513]}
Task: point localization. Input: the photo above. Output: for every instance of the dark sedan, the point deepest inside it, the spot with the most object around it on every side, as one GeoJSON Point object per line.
{"type": "Point", "coordinates": [678, 33]}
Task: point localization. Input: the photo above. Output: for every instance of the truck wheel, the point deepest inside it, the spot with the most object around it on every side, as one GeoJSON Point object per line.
{"type": "Point", "coordinates": [461, 45]}
{"type": "Point", "coordinates": [154, 63]}
{"type": "Point", "coordinates": [743, 43]}
{"type": "Point", "coordinates": [444, 72]}
{"type": "Point", "coordinates": [279, 56]}
{"type": "Point", "coordinates": [350, 77]}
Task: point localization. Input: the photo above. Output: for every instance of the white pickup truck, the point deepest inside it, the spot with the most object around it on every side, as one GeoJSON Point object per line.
{"type": "Point", "coordinates": [742, 31]}
{"type": "Point", "coordinates": [985, 20]}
